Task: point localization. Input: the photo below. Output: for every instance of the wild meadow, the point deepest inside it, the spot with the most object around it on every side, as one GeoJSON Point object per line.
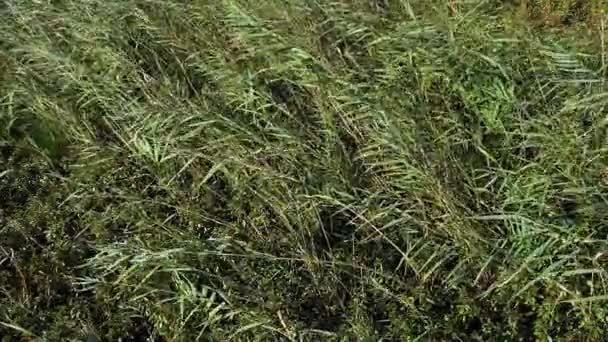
{"type": "Point", "coordinates": [303, 170]}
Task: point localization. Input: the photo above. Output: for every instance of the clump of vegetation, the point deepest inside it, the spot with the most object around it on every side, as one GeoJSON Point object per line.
{"type": "Point", "coordinates": [299, 171]}
{"type": "Point", "coordinates": [565, 13]}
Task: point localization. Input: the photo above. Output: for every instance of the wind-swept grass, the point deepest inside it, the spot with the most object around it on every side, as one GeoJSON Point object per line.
{"type": "Point", "coordinates": [301, 171]}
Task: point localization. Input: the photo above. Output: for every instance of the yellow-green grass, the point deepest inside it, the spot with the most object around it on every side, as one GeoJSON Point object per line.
{"type": "Point", "coordinates": [300, 171]}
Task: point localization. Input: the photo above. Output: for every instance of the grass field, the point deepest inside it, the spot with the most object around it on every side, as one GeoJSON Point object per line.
{"type": "Point", "coordinates": [303, 170]}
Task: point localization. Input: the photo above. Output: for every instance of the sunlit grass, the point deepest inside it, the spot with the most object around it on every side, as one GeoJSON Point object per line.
{"type": "Point", "coordinates": [300, 170]}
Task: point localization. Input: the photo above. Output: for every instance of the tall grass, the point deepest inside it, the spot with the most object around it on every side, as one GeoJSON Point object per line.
{"type": "Point", "coordinates": [299, 170]}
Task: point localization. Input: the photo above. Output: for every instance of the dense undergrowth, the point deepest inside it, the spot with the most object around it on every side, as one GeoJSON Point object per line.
{"type": "Point", "coordinates": [302, 171]}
